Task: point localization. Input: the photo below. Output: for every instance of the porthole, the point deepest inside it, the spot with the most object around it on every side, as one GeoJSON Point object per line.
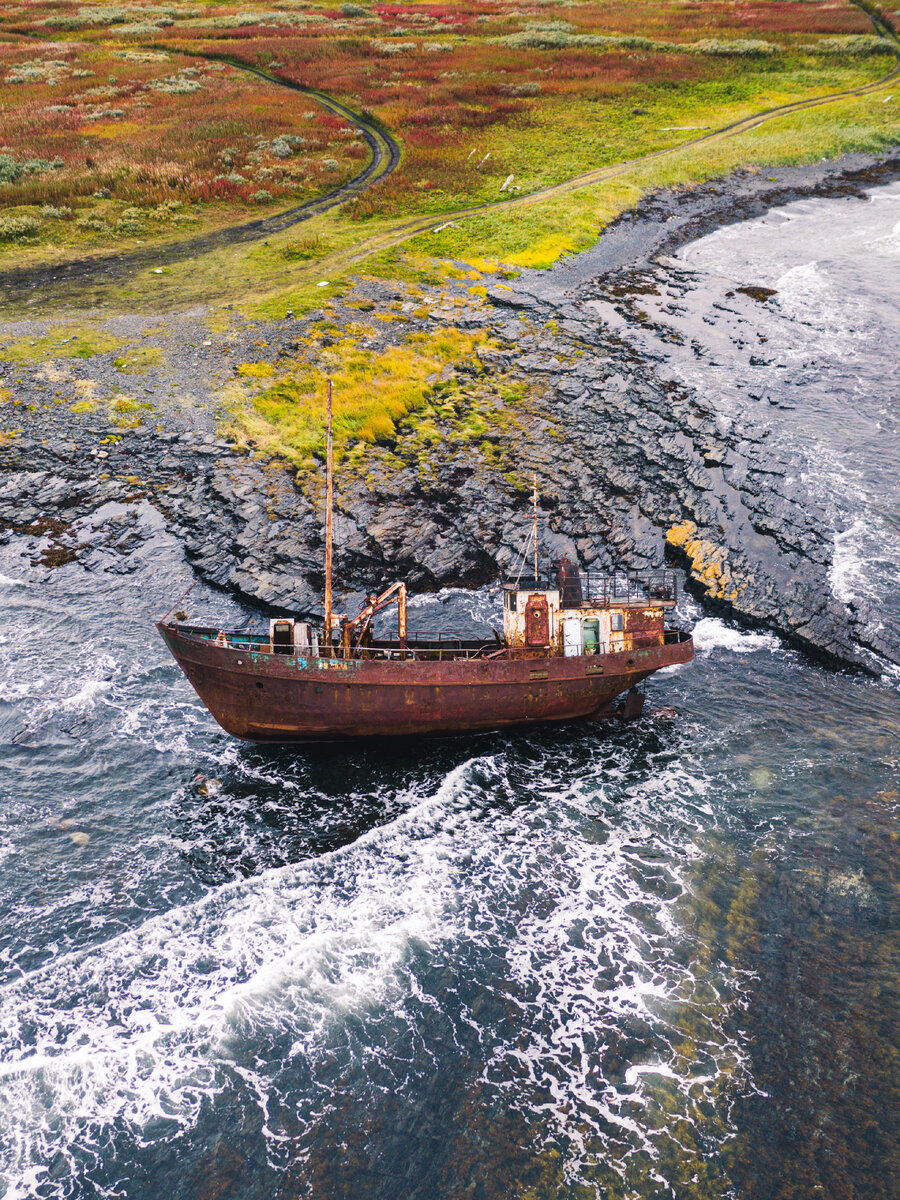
{"type": "Point", "coordinates": [259, 685]}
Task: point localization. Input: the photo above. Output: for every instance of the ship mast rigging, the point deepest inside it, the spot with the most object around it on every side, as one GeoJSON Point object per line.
{"type": "Point", "coordinates": [329, 517]}
{"type": "Point", "coordinates": [532, 540]}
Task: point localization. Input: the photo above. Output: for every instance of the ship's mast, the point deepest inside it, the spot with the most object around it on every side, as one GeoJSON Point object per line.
{"type": "Point", "coordinates": [534, 533]}
{"type": "Point", "coordinates": [329, 512]}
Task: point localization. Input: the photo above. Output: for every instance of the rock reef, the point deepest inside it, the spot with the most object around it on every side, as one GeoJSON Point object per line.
{"type": "Point", "coordinates": [631, 468]}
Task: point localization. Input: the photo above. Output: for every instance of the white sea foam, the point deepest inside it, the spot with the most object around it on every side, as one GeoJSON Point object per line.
{"type": "Point", "coordinates": [9, 581]}
{"type": "Point", "coordinates": [176, 992]}
{"type": "Point", "coordinates": [847, 565]}
{"type": "Point", "coordinates": [86, 696]}
{"type": "Point", "coordinates": [598, 963]}
{"type": "Point", "coordinates": [40, 697]}
{"type": "Point", "coordinates": [888, 243]}
{"type": "Point", "coordinates": [144, 1024]}
{"type": "Point", "coordinates": [802, 284]}
{"type": "Point", "coordinates": [713, 634]}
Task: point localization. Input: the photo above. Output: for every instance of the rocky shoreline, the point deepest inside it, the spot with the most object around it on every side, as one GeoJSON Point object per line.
{"type": "Point", "coordinates": [630, 468]}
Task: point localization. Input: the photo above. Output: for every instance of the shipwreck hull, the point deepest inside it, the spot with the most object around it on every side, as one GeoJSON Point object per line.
{"type": "Point", "coordinates": [266, 697]}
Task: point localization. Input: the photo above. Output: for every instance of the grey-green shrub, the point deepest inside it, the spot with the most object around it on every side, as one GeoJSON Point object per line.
{"type": "Point", "coordinates": [553, 35]}
{"type": "Point", "coordinates": [176, 85]}
{"type": "Point", "coordinates": [18, 229]}
{"type": "Point", "coordinates": [393, 47]}
{"type": "Point", "coordinates": [742, 47]}
{"type": "Point", "coordinates": [854, 43]}
{"type": "Point", "coordinates": [11, 171]}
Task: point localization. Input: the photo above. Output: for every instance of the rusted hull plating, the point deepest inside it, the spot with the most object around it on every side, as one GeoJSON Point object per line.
{"type": "Point", "coordinates": [285, 698]}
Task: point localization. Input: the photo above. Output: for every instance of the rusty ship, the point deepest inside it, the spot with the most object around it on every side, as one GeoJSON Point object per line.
{"type": "Point", "coordinates": [573, 642]}
{"type": "Point", "coordinates": [560, 657]}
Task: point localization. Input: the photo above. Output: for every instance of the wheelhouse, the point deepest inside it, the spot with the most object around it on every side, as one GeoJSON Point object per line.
{"type": "Point", "coordinates": [588, 613]}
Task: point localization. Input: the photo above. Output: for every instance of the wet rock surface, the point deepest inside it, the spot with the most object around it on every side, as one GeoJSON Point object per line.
{"type": "Point", "coordinates": [631, 468]}
{"type": "Point", "coordinates": [650, 462]}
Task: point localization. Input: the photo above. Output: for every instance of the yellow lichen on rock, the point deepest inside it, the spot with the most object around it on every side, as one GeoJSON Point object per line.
{"type": "Point", "coordinates": [709, 564]}
{"type": "Point", "coordinates": [677, 535]}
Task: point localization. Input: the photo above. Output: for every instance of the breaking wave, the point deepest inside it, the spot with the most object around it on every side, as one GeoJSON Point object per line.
{"type": "Point", "coordinates": [710, 633]}
{"type": "Point", "coordinates": [142, 1030]}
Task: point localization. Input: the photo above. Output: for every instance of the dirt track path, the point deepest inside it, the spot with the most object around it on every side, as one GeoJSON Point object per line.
{"type": "Point", "coordinates": [603, 174]}
{"type": "Point", "coordinates": [21, 284]}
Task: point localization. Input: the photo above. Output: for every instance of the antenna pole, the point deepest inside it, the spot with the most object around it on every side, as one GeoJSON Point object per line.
{"type": "Point", "coordinates": [534, 526]}
{"type": "Point", "coordinates": [329, 515]}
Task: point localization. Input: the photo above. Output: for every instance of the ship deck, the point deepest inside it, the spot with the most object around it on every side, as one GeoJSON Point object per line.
{"type": "Point", "coordinates": [445, 647]}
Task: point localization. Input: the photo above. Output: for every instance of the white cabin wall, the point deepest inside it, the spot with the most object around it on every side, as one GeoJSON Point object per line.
{"type": "Point", "coordinates": [514, 617]}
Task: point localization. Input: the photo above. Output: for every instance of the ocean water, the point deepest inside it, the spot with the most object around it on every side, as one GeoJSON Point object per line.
{"type": "Point", "coordinates": [658, 960]}
{"type": "Point", "coordinates": [815, 364]}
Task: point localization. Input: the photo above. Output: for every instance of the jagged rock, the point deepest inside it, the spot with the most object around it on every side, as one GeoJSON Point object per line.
{"type": "Point", "coordinates": [625, 461]}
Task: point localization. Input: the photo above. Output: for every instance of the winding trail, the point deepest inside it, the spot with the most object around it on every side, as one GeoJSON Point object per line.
{"type": "Point", "coordinates": [603, 174]}
{"type": "Point", "coordinates": [20, 284]}
{"type": "Point", "coordinates": [880, 22]}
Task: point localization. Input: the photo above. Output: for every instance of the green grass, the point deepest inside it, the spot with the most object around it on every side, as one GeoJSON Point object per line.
{"type": "Point", "coordinates": [539, 233]}
{"type": "Point", "coordinates": [372, 391]}
{"type": "Point", "coordinates": [62, 341]}
{"type": "Point", "coordinates": [577, 135]}
{"type": "Point", "coordinates": [139, 359]}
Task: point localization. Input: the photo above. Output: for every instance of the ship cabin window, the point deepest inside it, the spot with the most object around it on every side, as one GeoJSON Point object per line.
{"type": "Point", "coordinates": [509, 600]}
{"type": "Point", "coordinates": [591, 636]}
{"type": "Point", "coordinates": [616, 622]}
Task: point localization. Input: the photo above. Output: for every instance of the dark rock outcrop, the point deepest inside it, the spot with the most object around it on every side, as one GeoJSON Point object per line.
{"type": "Point", "coordinates": [631, 469]}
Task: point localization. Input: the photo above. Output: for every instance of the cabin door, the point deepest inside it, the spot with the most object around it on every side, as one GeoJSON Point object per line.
{"type": "Point", "coordinates": [572, 637]}
{"type": "Point", "coordinates": [537, 621]}
{"type": "Point", "coordinates": [591, 637]}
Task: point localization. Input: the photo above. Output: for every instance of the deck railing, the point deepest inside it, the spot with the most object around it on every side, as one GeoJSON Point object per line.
{"type": "Point", "coordinates": [455, 649]}
{"type": "Point", "coordinates": [601, 589]}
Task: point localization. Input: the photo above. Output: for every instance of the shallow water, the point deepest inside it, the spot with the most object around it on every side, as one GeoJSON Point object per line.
{"type": "Point", "coordinates": [651, 961]}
